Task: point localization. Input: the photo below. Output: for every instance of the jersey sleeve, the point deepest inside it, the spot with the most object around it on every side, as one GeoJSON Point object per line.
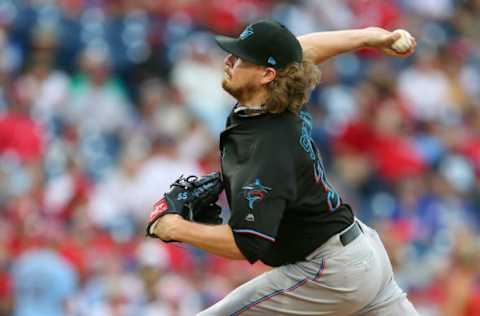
{"type": "Point", "coordinates": [264, 187]}
{"type": "Point", "coordinates": [252, 247]}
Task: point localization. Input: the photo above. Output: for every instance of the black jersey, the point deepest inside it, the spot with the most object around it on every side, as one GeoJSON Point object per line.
{"type": "Point", "coordinates": [282, 205]}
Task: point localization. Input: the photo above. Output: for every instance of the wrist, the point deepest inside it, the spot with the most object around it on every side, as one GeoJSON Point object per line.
{"type": "Point", "coordinates": [176, 227]}
{"type": "Point", "coordinates": [167, 227]}
{"type": "Point", "coordinates": [366, 36]}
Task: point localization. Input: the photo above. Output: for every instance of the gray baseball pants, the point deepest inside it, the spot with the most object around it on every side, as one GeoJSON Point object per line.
{"type": "Point", "coordinates": [335, 280]}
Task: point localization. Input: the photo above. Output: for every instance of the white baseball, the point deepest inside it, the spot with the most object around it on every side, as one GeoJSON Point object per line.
{"type": "Point", "coordinates": [404, 43]}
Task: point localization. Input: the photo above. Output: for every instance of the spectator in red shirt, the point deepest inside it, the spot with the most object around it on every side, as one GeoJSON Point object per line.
{"type": "Point", "coordinates": [19, 133]}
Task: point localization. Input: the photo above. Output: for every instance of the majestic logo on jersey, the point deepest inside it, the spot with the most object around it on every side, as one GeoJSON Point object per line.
{"type": "Point", "coordinates": [246, 33]}
{"type": "Point", "coordinates": [255, 192]}
{"type": "Point", "coordinates": [250, 217]}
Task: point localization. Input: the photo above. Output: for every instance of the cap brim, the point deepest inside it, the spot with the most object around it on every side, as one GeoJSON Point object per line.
{"type": "Point", "coordinates": [232, 45]}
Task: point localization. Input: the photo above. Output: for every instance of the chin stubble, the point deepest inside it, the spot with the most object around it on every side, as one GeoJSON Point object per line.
{"type": "Point", "coordinates": [241, 93]}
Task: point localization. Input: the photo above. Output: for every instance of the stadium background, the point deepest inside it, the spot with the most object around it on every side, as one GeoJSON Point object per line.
{"type": "Point", "coordinates": [103, 103]}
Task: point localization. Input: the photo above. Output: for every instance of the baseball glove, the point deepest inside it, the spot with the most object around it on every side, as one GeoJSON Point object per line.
{"type": "Point", "coordinates": [187, 197]}
{"type": "Point", "coordinates": [208, 214]}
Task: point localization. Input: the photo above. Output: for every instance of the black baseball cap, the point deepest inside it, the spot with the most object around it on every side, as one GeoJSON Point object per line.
{"type": "Point", "coordinates": [266, 43]}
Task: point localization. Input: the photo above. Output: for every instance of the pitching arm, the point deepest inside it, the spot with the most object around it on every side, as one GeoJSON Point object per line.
{"type": "Point", "coordinates": [321, 46]}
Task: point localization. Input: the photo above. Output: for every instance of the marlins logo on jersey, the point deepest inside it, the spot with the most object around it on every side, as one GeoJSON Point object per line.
{"type": "Point", "coordinates": [255, 192]}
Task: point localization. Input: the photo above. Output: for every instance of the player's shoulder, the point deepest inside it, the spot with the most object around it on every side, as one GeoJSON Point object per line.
{"type": "Point", "coordinates": [284, 122]}
{"type": "Point", "coordinates": [281, 128]}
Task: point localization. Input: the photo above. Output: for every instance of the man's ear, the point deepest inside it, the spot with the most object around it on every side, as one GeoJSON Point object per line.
{"type": "Point", "coordinates": [269, 75]}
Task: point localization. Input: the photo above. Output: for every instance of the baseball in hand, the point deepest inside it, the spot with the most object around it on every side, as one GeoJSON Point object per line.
{"type": "Point", "coordinates": [404, 43]}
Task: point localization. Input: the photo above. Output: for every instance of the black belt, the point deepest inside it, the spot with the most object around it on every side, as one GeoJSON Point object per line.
{"type": "Point", "coordinates": [348, 236]}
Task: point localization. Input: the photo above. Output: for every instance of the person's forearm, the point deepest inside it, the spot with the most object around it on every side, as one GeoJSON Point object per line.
{"type": "Point", "coordinates": [215, 239]}
{"type": "Point", "coordinates": [318, 47]}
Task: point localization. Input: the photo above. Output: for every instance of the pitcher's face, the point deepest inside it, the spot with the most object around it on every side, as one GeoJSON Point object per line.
{"type": "Point", "coordinates": [241, 78]}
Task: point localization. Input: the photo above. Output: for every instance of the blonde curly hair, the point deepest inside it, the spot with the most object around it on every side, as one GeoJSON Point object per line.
{"type": "Point", "coordinates": [292, 87]}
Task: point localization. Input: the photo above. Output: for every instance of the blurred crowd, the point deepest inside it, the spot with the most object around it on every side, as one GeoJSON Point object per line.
{"type": "Point", "coordinates": [103, 103]}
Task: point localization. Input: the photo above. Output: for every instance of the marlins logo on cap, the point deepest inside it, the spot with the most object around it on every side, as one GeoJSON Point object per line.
{"type": "Point", "coordinates": [247, 32]}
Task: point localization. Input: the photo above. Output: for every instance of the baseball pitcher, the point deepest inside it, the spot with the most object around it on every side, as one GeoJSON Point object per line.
{"type": "Point", "coordinates": [284, 211]}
